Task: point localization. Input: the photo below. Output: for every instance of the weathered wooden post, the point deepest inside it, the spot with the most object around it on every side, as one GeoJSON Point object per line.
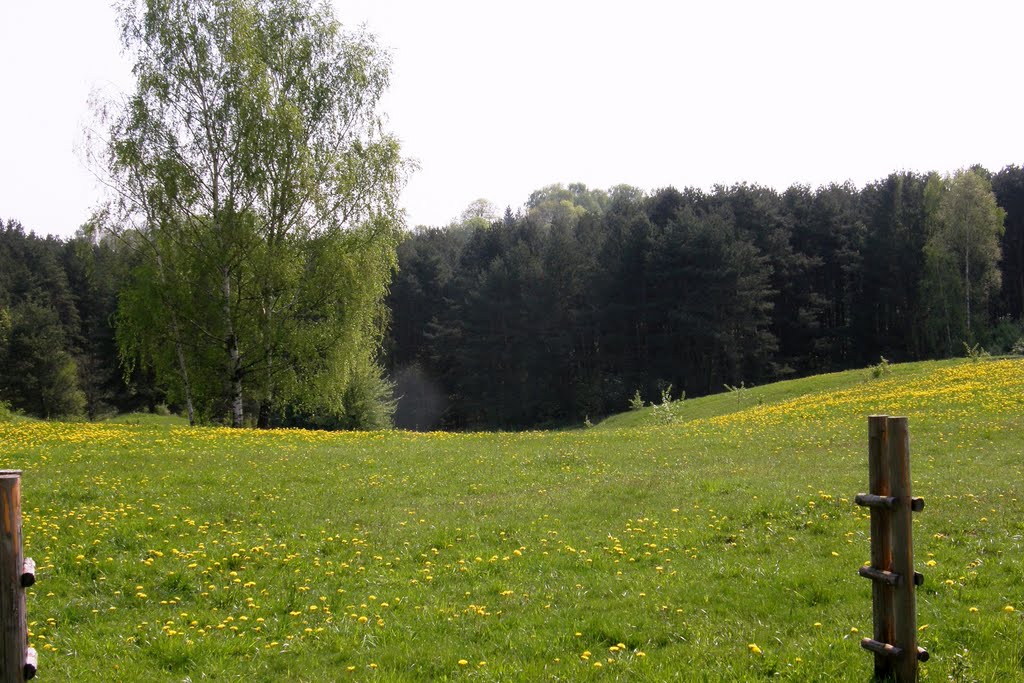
{"type": "Point", "coordinates": [892, 551]}
{"type": "Point", "coordinates": [16, 574]}
{"type": "Point", "coordinates": [881, 544]}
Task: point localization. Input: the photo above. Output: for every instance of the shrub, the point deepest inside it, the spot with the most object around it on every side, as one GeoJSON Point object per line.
{"type": "Point", "coordinates": [1005, 336]}
{"type": "Point", "coordinates": [975, 353]}
{"type": "Point", "coordinates": [739, 392]}
{"type": "Point", "coordinates": [666, 412]}
{"type": "Point", "coordinates": [636, 403]}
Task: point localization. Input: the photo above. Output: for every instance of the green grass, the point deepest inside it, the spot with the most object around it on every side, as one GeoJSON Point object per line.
{"type": "Point", "coordinates": [151, 419]}
{"type": "Point", "coordinates": [168, 553]}
{"type": "Point", "coordinates": [746, 397]}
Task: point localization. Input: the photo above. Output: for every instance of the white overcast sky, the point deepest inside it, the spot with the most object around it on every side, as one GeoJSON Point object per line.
{"type": "Point", "coordinates": [495, 100]}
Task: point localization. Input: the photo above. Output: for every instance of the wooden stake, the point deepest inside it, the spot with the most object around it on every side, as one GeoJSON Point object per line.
{"type": "Point", "coordinates": [13, 628]}
{"type": "Point", "coordinates": [904, 599]}
{"type": "Point", "coordinates": [881, 546]}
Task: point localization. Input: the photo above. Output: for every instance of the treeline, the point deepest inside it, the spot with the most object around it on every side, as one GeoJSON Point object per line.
{"type": "Point", "coordinates": [567, 309]}
{"type": "Point", "coordinates": [58, 349]}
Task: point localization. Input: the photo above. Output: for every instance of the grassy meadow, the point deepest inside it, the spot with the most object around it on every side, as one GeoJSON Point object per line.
{"type": "Point", "coordinates": [715, 539]}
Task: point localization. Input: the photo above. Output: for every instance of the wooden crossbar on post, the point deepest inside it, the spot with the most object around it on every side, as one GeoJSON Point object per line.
{"type": "Point", "coordinates": [16, 573]}
{"type": "Point", "coordinates": [894, 641]}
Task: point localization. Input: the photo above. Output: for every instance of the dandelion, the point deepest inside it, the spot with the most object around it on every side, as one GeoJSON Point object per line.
{"type": "Point", "coordinates": [754, 649]}
{"type": "Point", "coordinates": [1008, 609]}
{"type": "Point", "coordinates": [463, 662]}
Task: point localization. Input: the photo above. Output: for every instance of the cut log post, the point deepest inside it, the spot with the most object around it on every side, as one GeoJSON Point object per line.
{"type": "Point", "coordinates": [881, 547]}
{"type": "Point", "coordinates": [31, 664]}
{"type": "Point", "coordinates": [885, 650]}
{"type": "Point", "coordinates": [872, 501]}
{"type": "Point", "coordinates": [28, 572]}
{"type": "Point", "coordinates": [880, 575]}
{"type": "Point", "coordinates": [13, 626]}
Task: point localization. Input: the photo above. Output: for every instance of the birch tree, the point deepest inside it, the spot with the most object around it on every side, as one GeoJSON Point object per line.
{"type": "Point", "coordinates": [254, 178]}
{"type": "Point", "coordinates": [962, 252]}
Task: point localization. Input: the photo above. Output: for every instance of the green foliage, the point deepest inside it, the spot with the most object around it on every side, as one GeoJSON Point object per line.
{"type": "Point", "coordinates": [479, 215]}
{"type": "Point", "coordinates": [47, 346]}
{"type": "Point", "coordinates": [37, 375]}
{"type": "Point", "coordinates": [368, 401]}
{"type": "Point", "coordinates": [881, 368]}
{"type": "Point", "coordinates": [258, 192]}
{"type": "Point", "coordinates": [636, 402]}
{"type": "Point", "coordinates": [1008, 187]}
{"type": "Point", "coordinates": [668, 410]}
{"type": "Point", "coordinates": [556, 313]}
{"type": "Point", "coordinates": [975, 352]}
{"type": "Point", "coordinates": [738, 392]}
{"type": "Point", "coordinates": [1004, 335]}
{"type": "Point", "coordinates": [564, 206]}
{"type": "Point", "coordinates": [962, 254]}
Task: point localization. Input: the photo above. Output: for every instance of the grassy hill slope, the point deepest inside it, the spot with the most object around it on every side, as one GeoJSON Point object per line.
{"type": "Point", "coordinates": [649, 548]}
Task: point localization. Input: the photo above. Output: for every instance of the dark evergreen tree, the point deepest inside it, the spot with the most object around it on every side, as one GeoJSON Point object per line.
{"type": "Point", "coordinates": [1008, 186]}
{"type": "Point", "coordinates": [887, 313]}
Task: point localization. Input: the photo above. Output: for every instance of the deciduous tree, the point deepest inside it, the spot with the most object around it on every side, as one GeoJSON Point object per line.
{"type": "Point", "coordinates": [255, 181]}
{"type": "Point", "coordinates": [965, 237]}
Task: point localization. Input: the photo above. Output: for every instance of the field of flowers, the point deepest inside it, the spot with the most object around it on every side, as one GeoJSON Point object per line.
{"type": "Point", "coordinates": [720, 545]}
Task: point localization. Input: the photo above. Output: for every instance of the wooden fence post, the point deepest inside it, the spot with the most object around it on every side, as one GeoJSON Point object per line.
{"type": "Point", "coordinates": [892, 551]}
{"type": "Point", "coordinates": [881, 549]}
{"type": "Point", "coordinates": [16, 573]}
